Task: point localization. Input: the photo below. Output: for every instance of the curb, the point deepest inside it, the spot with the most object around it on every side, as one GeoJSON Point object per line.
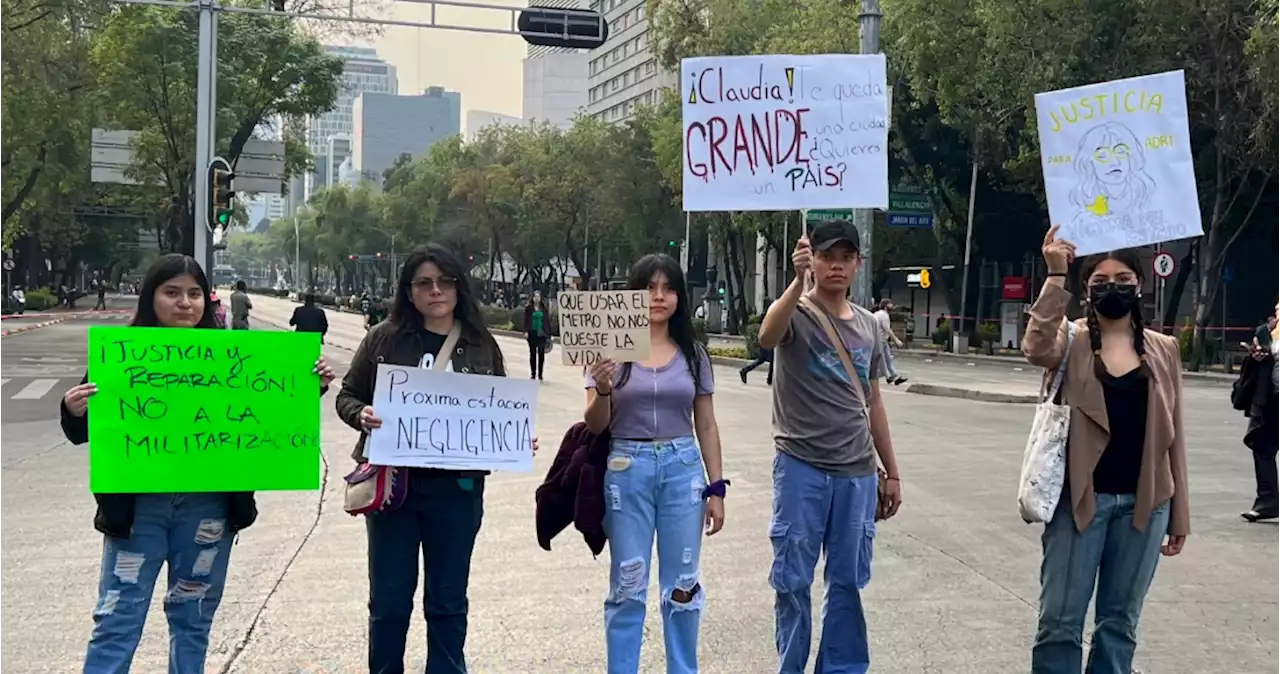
{"type": "Point", "coordinates": [971, 394]}
{"type": "Point", "coordinates": [33, 326]}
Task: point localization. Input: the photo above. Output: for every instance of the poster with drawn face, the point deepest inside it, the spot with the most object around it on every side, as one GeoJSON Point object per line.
{"type": "Point", "coordinates": [776, 132]}
{"type": "Point", "coordinates": [1118, 171]}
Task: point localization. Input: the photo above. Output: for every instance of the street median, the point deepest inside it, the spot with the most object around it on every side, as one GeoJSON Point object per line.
{"type": "Point", "coordinates": [973, 394]}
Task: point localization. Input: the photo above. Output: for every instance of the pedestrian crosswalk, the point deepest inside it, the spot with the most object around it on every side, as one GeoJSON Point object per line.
{"type": "Point", "coordinates": [27, 388]}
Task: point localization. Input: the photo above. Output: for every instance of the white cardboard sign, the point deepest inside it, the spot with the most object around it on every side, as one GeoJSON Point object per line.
{"type": "Point", "coordinates": [779, 132]}
{"type": "Point", "coordinates": [434, 419]}
{"type": "Point", "coordinates": [600, 324]}
{"type": "Point", "coordinates": [1118, 170]}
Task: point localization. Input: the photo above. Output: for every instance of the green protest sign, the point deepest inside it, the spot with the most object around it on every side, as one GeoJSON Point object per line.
{"type": "Point", "coordinates": [187, 410]}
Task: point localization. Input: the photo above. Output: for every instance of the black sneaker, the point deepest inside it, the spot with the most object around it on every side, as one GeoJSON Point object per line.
{"type": "Point", "coordinates": [743, 375]}
{"type": "Point", "coordinates": [899, 380]}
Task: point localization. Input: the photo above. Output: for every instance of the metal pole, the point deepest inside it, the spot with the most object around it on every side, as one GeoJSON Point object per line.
{"type": "Point", "coordinates": [968, 245]}
{"type": "Point", "coordinates": [863, 218]}
{"type": "Point", "coordinates": [297, 255]}
{"type": "Point", "coordinates": [204, 133]}
{"type": "Point", "coordinates": [684, 249]}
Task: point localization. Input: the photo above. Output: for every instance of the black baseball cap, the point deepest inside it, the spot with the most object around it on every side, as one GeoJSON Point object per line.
{"type": "Point", "coordinates": [831, 232]}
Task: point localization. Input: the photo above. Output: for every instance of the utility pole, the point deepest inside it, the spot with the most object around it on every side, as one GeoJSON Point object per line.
{"type": "Point", "coordinates": [868, 43]}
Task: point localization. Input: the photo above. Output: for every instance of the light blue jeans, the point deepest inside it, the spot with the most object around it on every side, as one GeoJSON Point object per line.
{"type": "Point", "coordinates": [814, 511]}
{"type": "Point", "coordinates": [189, 533]}
{"type": "Point", "coordinates": [1123, 562]}
{"type": "Point", "coordinates": [654, 488]}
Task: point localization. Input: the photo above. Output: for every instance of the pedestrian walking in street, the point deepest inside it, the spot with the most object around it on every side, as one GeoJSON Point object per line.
{"type": "Point", "coordinates": [764, 356]}
{"type": "Point", "coordinates": [1255, 393]}
{"type": "Point", "coordinates": [190, 533]}
{"type": "Point", "coordinates": [1125, 500]}
{"type": "Point", "coordinates": [883, 314]}
{"type": "Point", "coordinates": [310, 318]}
{"type": "Point", "coordinates": [219, 311]}
{"type": "Point", "coordinates": [537, 321]}
{"type": "Point", "coordinates": [435, 316]}
{"type": "Point", "coordinates": [100, 285]}
{"type": "Point", "coordinates": [19, 300]}
{"type": "Point", "coordinates": [829, 425]}
{"type": "Point", "coordinates": [663, 477]}
{"type": "Point", "coordinates": [240, 307]}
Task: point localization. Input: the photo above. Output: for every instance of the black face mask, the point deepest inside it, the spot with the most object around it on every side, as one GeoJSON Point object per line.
{"type": "Point", "coordinates": [1113, 300]}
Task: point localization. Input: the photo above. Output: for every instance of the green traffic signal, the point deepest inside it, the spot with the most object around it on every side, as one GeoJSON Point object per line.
{"type": "Point", "coordinates": [224, 218]}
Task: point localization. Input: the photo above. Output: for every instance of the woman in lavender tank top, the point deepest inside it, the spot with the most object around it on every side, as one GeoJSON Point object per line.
{"type": "Point", "coordinates": [660, 480]}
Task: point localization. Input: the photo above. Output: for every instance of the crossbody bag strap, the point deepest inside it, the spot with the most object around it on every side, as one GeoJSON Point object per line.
{"type": "Point", "coordinates": [823, 319]}
{"type": "Point", "coordinates": [1061, 372]}
{"type": "Point", "coordinates": [446, 352]}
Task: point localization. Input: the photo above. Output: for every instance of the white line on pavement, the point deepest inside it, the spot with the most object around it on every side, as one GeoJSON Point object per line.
{"type": "Point", "coordinates": [36, 389]}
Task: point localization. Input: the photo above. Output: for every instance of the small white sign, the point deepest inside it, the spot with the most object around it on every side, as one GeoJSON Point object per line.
{"type": "Point", "coordinates": [1164, 264]}
{"type": "Point", "coordinates": [1118, 170]}
{"type": "Point", "coordinates": [434, 419]}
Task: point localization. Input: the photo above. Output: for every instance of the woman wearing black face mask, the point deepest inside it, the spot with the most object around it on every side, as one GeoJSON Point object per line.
{"type": "Point", "coordinates": [1126, 487]}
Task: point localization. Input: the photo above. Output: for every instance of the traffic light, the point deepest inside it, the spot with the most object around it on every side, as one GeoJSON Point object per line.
{"type": "Point", "coordinates": [378, 255]}
{"type": "Point", "coordinates": [353, 258]}
{"type": "Point", "coordinates": [673, 244]}
{"type": "Point", "coordinates": [561, 27]}
{"type": "Point", "coordinates": [924, 278]}
{"type": "Point", "coordinates": [471, 259]}
{"type": "Point", "coordinates": [722, 290]}
{"type": "Point", "coordinates": [221, 193]}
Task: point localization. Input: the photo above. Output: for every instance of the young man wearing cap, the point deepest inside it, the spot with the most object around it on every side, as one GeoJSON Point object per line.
{"type": "Point", "coordinates": [828, 430]}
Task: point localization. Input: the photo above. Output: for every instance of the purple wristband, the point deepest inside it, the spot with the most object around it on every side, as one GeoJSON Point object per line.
{"type": "Point", "coordinates": [716, 488]}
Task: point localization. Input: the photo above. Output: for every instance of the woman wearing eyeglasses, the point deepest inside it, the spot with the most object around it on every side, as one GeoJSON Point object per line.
{"type": "Point", "coordinates": [440, 517]}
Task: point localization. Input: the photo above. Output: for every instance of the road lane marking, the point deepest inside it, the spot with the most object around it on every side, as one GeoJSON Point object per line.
{"type": "Point", "coordinates": [3, 382]}
{"type": "Point", "coordinates": [36, 389]}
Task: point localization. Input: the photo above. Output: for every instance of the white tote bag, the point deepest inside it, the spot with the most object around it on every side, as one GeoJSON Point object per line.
{"type": "Point", "coordinates": [1044, 461]}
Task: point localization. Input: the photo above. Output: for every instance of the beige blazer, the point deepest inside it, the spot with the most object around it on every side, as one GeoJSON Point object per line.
{"type": "Point", "coordinates": [1163, 475]}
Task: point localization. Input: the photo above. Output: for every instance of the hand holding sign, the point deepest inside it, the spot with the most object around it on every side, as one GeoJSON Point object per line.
{"type": "Point", "coordinates": [77, 399]}
{"type": "Point", "coordinates": [1058, 254]}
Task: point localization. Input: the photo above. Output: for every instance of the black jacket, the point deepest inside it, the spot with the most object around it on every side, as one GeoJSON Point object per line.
{"type": "Point", "coordinates": [573, 491]}
{"type": "Point", "coordinates": [115, 511]}
{"type": "Point", "coordinates": [310, 318]}
{"type": "Point", "coordinates": [1254, 393]}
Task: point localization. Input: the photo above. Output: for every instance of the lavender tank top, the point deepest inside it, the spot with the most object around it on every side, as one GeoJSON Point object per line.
{"type": "Point", "coordinates": [657, 402]}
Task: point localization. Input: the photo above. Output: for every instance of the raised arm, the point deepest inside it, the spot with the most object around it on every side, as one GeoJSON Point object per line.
{"type": "Point", "coordinates": [1046, 337]}
{"type": "Point", "coordinates": [777, 320]}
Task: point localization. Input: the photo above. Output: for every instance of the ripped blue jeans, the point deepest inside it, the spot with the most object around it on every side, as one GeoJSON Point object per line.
{"type": "Point", "coordinates": [654, 488]}
{"type": "Point", "coordinates": [815, 511]}
{"type": "Point", "coordinates": [188, 533]}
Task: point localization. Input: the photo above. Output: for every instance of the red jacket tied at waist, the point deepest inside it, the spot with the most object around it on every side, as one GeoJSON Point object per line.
{"type": "Point", "coordinates": [573, 491]}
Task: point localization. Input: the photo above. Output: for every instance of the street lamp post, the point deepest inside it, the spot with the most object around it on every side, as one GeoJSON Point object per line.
{"type": "Point", "coordinates": [297, 257]}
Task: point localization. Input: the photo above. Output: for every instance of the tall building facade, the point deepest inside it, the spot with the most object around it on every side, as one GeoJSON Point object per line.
{"type": "Point", "coordinates": [363, 72]}
{"type": "Point", "coordinates": [479, 120]}
{"type": "Point", "coordinates": [623, 74]}
{"type": "Point", "coordinates": [555, 87]}
{"type": "Point", "coordinates": [387, 126]}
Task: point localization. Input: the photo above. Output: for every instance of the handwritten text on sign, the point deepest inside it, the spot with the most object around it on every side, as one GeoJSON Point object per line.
{"type": "Point", "coordinates": [775, 132]}
{"type": "Point", "coordinates": [1117, 163]}
{"type": "Point", "coordinates": [604, 324]}
{"type": "Point", "coordinates": [434, 419]}
{"type": "Point", "coordinates": [189, 410]}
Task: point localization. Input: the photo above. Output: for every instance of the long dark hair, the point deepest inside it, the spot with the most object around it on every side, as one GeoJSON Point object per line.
{"type": "Point", "coordinates": [467, 310]}
{"type": "Point", "coordinates": [166, 268]}
{"type": "Point", "coordinates": [680, 325]}
{"type": "Point", "coordinates": [1130, 258]}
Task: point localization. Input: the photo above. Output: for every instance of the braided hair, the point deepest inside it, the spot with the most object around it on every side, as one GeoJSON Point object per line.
{"type": "Point", "coordinates": [1130, 258]}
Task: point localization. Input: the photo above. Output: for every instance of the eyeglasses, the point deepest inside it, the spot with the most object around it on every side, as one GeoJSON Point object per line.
{"type": "Point", "coordinates": [1103, 155]}
{"type": "Point", "coordinates": [443, 284]}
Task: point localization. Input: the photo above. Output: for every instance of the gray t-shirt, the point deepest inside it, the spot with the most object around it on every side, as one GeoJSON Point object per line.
{"type": "Point", "coordinates": [816, 416]}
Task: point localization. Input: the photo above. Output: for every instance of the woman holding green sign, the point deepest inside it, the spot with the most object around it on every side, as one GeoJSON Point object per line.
{"type": "Point", "coordinates": [191, 533]}
{"type": "Point", "coordinates": [435, 324]}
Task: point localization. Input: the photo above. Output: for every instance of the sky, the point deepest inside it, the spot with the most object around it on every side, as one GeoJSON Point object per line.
{"type": "Point", "coordinates": [485, 67]}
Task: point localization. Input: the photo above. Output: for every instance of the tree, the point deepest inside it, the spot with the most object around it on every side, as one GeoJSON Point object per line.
{"type": "Point", "coordinates": [146, 62]}
{"type": "Point", "coordinates": [979, 65]}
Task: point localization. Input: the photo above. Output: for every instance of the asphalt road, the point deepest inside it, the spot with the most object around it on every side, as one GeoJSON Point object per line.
{"type": "Point", "coordinates": [954, 588]}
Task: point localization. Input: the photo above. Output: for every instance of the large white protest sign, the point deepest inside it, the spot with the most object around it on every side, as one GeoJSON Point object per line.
{"type": "Point", "coordinates": [434, 419]}
{"type": "Point", "coordinates": [777, 132]}
{"type": "Point", "coordinates": [1117, 163]}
